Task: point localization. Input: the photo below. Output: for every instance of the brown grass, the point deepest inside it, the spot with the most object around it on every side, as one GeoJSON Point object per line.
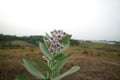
{"type": "Point", "coordinates": [93, 66]}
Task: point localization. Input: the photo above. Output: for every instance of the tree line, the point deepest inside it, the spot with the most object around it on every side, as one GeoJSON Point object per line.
{"type": "Point", "coordinates": [34, 39]}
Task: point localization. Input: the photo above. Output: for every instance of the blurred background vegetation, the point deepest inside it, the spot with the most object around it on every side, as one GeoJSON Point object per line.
{"type": "Point", "coordinates": [98, 60]}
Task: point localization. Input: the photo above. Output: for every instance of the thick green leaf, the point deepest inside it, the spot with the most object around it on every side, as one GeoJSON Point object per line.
{"type": "Point", "coordinates": [59, 64]}
{"type": "Point", "coordinates": [22, 78]}
{"type": "Point", "coordinates": [66, 42]}
{"type": "Point", "coordinates": [56, 67]}
{"type": "Point", "coordinates": [59, 56]}
{"type": "Point", "coordinates": [47, 35]}
{"type": "Point", "coordinates": [42, 65]}
{"type": "Point", "coordinates": [66, 45]}
{"type": "Point", "coordinates": [72, 70]}
{"type": "Point", "coordinates": [68, 55]}
{"type": "Point", "coordinates": [61, 59]}
{"type": "Point", "coordinates": [55, 73]}
{"type": "Point", "coordinates": [66, 38]}
{"type": "Point", "coordinates": [45, 51]}
{"type": "Point", "coordinates": [32, 69]}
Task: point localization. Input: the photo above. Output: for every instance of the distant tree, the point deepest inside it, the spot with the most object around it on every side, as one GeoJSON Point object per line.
{"type": "Point", "coordinates": [31, 39]}
{"type": "Point", "coordinates": [74, 42]}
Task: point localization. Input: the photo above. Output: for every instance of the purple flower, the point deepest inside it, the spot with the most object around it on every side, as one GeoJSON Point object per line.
{"type": "Point", "coordinates": [57, 45]}
{"type": "Point", "coordinates": [59, 36]}
{"type": "Point", "coordinates": [51, 38]}
{"type": "Point", "coordinates": [54, 43]}
{"type": "Point", "coordinates": [61, 46]}
{"type": "Point", "coordinates": [51, 50]}
{"type": "Point", "coordinates": [64, 33]}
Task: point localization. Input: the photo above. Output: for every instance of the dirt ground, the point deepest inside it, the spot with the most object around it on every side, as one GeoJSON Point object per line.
{"type": "Point", "coordinates": [92, 67]}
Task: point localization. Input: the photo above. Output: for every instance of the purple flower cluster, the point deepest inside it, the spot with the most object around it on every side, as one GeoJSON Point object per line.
{"type": "Point", "coordinates": [53, 42]}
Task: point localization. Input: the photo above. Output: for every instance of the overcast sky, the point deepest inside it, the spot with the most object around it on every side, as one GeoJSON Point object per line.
{"type": "Point", "coordinates": [84, 19]}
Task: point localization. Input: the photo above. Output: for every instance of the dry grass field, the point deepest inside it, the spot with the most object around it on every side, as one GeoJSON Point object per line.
{"type": "Point", "coordinates": [97, 62]}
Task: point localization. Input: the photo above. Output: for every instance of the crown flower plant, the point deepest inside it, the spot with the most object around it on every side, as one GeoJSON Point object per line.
{"type": "Point", "coordinates": [52, 47]}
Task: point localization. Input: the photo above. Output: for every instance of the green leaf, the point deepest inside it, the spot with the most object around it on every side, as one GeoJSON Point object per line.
{"type": "Point", "coordinates": [72, 70]}
{"type": "Point", "coordinates": [47, 35]}
{"type": "Point", "coordinates": [62, 56]}
{"type": "Point", "coordinates": [55, 73]}
{"type": "Point", "coordinates": [59, 64]}
{"type": "Point", "coordinates": [32, 69]}
{"type": "Point", "coordinates": [42, 65]}
{"type": "Point", "coordinates": [66, 42]}
{"type": "Point", "coordinates": [45, 51]}
{"type": "Point", "coordinates": [61, 59]}
{"type": "Point", "coordinates": [22, 78]}
{"type": "Point", "coordinates": [66, 45]}
{"type": "Point", "coordinates": [56, 67]}
{"type": "Point", "coordinates": [68, 55]}
{"type": "Point", "coordinates": [66, 38]}
{"type": "Point", "coordinates": [59, 56]}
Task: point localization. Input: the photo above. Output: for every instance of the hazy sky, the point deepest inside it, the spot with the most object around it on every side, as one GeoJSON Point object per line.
{"type": "Point", "coordinates": [84, 19]}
